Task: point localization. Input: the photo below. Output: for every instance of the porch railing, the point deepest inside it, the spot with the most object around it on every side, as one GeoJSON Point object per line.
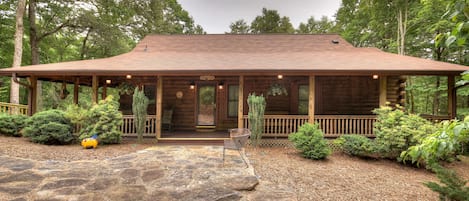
{"type": "Point", "coordinates": [331, 125]}
{"type": "Point", "coordinates": [280, 125]}
{"type": "Point", "coordinates": [128, 128]}
{"type": "Point", "coordinates": [12, 108]}
{"type": "Point", "coordinates": [336, 125]}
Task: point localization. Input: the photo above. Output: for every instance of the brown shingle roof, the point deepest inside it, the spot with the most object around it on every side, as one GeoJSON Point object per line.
{"type": "Point", "coordinates": [246, 54]}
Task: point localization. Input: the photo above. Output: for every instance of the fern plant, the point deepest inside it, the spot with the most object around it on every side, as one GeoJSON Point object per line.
{"type": "Point", "coordinates": [452, 187]}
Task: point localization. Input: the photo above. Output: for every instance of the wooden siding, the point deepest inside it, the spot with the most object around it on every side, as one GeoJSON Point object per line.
{"type": "Point", "coordinates": [280, 104]}
{"type": "Point", "coordinates": [353, 95]}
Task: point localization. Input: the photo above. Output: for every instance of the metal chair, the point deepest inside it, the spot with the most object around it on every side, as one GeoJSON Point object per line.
{"type": "Point", "coordinates": [237, 141]}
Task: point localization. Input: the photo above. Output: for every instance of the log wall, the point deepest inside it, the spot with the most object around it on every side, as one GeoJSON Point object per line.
{"type": "Point", "coordinates": [351, 95]}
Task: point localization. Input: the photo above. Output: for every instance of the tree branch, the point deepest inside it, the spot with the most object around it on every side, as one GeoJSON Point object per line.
{"type": "Point", "coordinates": [65, 24]}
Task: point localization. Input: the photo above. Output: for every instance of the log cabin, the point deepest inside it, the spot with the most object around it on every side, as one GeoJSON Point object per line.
{"type": "Point", "coordinates": [203, 82]}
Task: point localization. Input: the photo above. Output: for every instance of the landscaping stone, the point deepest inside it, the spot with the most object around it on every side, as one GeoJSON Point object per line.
{"type": "Point", "coordinates": [157, 173]}
{"type": "Point", "coordinates": [18, 164]}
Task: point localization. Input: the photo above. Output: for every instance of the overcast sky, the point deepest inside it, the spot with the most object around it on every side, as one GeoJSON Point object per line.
{"type": "Point", "coordinates": [215, 16]}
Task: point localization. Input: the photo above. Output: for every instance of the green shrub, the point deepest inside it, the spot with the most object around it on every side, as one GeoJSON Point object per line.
{"type": "Point", "coordinates": [355, 145]}
{"type": "Point", "coordinates": [11, 125]}
{"type": "Point", "coordinates": [396, 131]}
{"type": "Point", "coordinates": [49, 127]}
{"type": "Point", "coordinates": [104, 120]}
{"type": "Point", "coordinates": [453, 187]}
{"type": "Point", "coordinates": [310, 141]}
{"type": "Point", "coordinates": [450, 140]}
{"type": "Point", "coordinates": [76, 114]}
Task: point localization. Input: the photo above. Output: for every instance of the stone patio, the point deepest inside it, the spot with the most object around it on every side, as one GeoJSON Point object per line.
{"type": "Point", "coordinates": [157, 173]}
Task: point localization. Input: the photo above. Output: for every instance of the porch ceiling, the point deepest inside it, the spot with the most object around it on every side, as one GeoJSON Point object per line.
{"type": "Point", "coordinates": [246, 55]}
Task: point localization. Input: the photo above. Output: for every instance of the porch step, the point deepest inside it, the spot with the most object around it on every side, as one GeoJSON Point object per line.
{"type": "Point", "coordinates": [205, 129]}
{"type": "Point", "coordinates": [191, 142]}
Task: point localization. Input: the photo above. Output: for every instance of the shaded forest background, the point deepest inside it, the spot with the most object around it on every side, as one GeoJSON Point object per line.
{"type": "Point", "coordinates": [66, 30]}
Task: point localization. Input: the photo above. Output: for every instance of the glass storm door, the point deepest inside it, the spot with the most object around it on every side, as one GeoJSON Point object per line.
{"type": "Point", "coordinates": [206, 105]}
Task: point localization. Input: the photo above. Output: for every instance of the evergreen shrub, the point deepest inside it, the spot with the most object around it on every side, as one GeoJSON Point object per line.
{"type": "Point", "coordinates": [310, 141]}
{"type": "Point", "coordinates": [355, 145]}
{"type": "Point", "coordinates": [11, 125]}
{"type": "Point", "coordinates": [49, 127]}
{"type": "Point", "coordinates": [103, 119]}
{"type": "Point", "coordinates": [396, 131]}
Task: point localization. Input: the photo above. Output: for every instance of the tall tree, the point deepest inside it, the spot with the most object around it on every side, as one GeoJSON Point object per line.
{"type": "Point", "coordinates": [53, 17]}
{"type": "Point", "coordinates": [313, 26]}
{"type": "Point", "coordinates": [239, 27]}
{"type": "Point", "coordinates": [271, 22]}
{"type": "Point", "coordinates": [160, 17]}
{"type": "Point", "coordinates": [15, 88]}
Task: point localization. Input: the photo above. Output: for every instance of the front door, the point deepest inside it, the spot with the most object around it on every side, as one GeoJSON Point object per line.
{"type": "Point", "coordinates": [206, 105]}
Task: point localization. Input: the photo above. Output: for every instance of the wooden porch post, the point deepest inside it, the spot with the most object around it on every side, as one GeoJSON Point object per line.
{"type": "Point", "coordinates": [94, 86]}
{"type": "Point", "coordinates": [104, 93]}
{"type": "Point", "coordinates": [32, 105]}
{"type": "Point", "coordinates": [241, 102]}
{"type": "Point", "coordinates": [383, 85]}
{"type": "Point", "coordinates": [312, 84]}
{"type": "Point", "coordinates": [451, 97]}
{"type": "Point", "coordinates": [159, 105]}
{"type": "Point", "coordinates": [75, 90]}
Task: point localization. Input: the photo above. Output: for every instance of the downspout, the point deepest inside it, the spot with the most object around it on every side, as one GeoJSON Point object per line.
{"type": "Point", "coordinates": [16, 80]}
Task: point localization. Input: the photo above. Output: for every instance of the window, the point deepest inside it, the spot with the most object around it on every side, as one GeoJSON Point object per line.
{"type": "Point", "coordinates": [233, 100]}
{"type": "Point", "coordinates": [303, 99]}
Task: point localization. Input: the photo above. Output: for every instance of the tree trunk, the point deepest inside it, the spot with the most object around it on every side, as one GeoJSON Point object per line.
{"type": "Point", "coordinates": [34, 45]}
{"type": "Point", "coordinates": [83, 45]}
{"type": "Point", "coordinates": [15, 87]}
{"type": "Point", "coordinates": [402, 27]}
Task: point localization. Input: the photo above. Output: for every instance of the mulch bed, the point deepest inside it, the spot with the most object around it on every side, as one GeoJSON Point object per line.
{"type": "Point", "coordinates": [342, 177]}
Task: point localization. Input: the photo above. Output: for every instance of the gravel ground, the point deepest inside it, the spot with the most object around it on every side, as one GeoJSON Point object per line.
{"type": "Point", "coordinates": [340, 177]}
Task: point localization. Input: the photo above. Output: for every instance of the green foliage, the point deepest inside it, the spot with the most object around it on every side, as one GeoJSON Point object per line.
{"type": "Point", "coordinates": [310, 141]}
{"type": "Point", "coordinates": [396, 131]}
{"type": "Point", "coordinates": [271, 22]}
{"type": "Point", "coordinates": [256, 117]}
{"type": "Point", "coordinates": [239, 27]}
{"type": "Point", "coordinates": [76, 114]}
{"type": "Point", "coordinates": [452, 187]}
{"type": "Point", "coordinates": [104, 120]}
{"type": "Point", "coordinates": [11, 125]}
{"type": "Point", "coordinates": [139, 109]}
{"type": "Point", "coordinates": [49, 127]}
{"type": "Point", "coordinates": [451, 139]}
{"type": "Point", "coordinates": [458, 13]}
{"type": "Point", "coordinates": [316, 27]}
{"type": "Point", "coordinates": [126, 88]}
{"type": "Point", "coordinates": [355, 145]}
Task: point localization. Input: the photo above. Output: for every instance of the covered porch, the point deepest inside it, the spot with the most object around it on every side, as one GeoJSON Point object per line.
{"type": "Point", "coordinates": [204, 82]}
